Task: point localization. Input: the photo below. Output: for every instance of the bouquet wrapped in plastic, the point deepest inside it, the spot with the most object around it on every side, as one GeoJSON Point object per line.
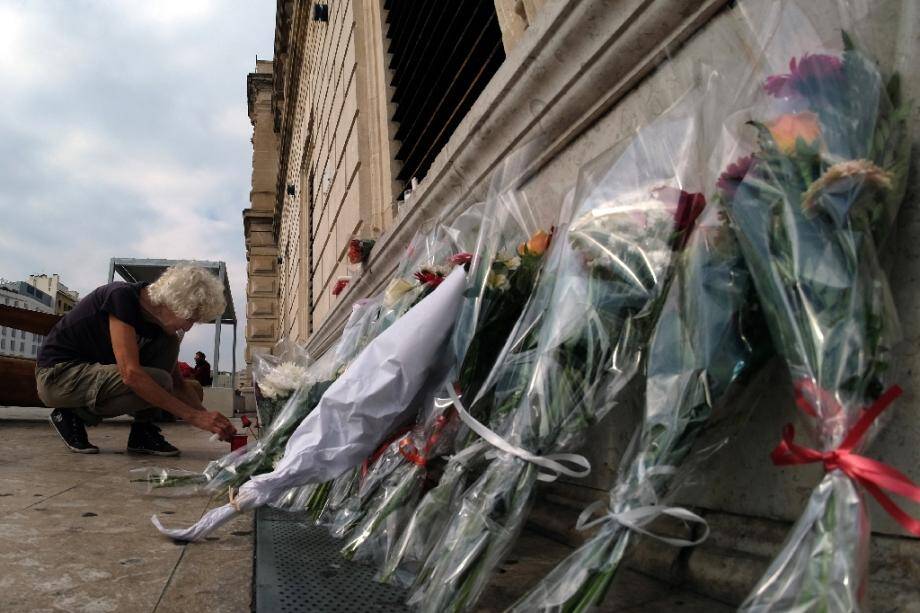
{"type": "Point", "coordinates": [275, 376]}
{"type": "Point", "coordinates": [357, 410]}
{"type": "Point", "coordinates": [234, 468]}
{"type": "Point", "coordinates": [700, 347]}
{"type": "Point", "coordinates": [580, 340]}
{"type": "Point", "coordinates": [428, 257]}
{"type": "Point", "coordinates": [821, 193]}
{"type": "Point", "coordinates": [503, 267]}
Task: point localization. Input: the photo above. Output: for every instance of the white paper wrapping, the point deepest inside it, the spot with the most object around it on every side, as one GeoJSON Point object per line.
{"type": "Point", "coordinates": [358, 410]}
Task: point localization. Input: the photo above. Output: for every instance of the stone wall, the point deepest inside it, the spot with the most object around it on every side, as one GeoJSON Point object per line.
{"type": "Point", "coordinates": [581, 77]}
{"type": "Point", "coordinates": [261, 250]}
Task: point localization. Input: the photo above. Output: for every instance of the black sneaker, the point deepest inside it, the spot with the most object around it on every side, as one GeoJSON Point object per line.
{"type": "Point", "coordinates": [72, 431]}
{"type": "Point", "coordinates": [146, 438]}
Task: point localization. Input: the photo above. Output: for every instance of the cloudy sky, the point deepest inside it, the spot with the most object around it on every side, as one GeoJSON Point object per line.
{"type": "Point", "coordinates": [124, 133]}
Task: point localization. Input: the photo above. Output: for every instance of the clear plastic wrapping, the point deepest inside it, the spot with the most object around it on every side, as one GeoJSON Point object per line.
{"type": "Point", "coordinates": [428, 258]}
{"type": "Point", "coordinates": [511, 238]}
{"type": "Point", "coordinates": [822, 191]}
{"type": "Point", "coordinates": [372, 397]}
{"type": "Point", "coordinates": [578, 343]}
{"type": "Point", "coordinates": [700, 346]}
{"type": "Point", "coordinates": [275, 376]}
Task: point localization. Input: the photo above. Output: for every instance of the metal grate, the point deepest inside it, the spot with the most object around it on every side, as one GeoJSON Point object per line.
{"type": "Point", "coordinates": [299, 569]}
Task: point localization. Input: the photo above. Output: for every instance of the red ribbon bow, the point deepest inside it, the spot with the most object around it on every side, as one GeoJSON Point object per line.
{"type": "Point", "coordinates": [871, 474]}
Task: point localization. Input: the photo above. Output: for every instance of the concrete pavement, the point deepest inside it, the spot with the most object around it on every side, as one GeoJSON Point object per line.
{"type": "Point", "coordinates": [75, 535]}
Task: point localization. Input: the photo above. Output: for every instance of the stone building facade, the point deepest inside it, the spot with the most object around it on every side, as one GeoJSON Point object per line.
{"type": "Point", "coordinates": [580, 77]}
{"type": "Point", "coordinates": [64, 299]}
{"type": "Point", "coordinates": [22, 295]}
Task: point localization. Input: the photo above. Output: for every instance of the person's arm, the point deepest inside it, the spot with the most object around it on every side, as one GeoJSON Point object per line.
{"type": "Point", "coordinates": [124, 345]}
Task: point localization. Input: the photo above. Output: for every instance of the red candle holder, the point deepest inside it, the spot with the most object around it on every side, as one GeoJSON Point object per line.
{"type": "Point", "coordinates": [237, 441]}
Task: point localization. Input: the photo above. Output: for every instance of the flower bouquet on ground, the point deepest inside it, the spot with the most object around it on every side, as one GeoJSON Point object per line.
{"type": "Point", "coordinates": [826, 183]}
{"type": "Point", "coordinates": [427, 261]}
{"type": "Point", "coordinates": [503, 270]}
{"type": "Point", "coordinates": [699, 348]}
{"type": "Point", "coordinates": [359, 408]}
{"type": "Point", "coordinates": [275, 376]}
{"type": "Point", "coordinates": [236, 467]}
{"type": "Point", "coordinates": [583, 335]}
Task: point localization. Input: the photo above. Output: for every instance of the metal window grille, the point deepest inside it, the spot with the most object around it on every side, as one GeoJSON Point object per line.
{"type": "Point", "coordinates": [443, 55]}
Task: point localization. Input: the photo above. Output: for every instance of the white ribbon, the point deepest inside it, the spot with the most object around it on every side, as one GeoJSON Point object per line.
{"type": "Point", "coordinates": [636, 519]}
{"type": "Point", "coordinates": [553, 463]}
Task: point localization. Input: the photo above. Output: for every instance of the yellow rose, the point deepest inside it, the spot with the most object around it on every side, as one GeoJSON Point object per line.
{"type": "Point", "coordinates": [790, 127]}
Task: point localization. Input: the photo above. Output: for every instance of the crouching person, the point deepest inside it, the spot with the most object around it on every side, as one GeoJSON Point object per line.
{"type": "Point", "coordinates": [116, 353]}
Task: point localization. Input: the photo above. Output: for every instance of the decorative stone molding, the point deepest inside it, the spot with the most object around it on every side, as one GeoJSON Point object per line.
{"type": "Point", "coordinates": [547, 87]}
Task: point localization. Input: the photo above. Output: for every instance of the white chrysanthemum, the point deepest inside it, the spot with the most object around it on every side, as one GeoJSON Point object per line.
{"type": "Point", "coordinates": [280, 381]}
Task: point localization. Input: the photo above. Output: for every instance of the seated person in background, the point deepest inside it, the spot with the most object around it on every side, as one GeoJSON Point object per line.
{"type": "Point", "coordinates": [188, 373]}
{"type": "Point", "coordinates": [202, 370]}
{"type": "Point", "coordinates": [116, 353]}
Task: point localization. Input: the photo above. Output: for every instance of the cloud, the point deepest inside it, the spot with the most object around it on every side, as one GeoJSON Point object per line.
{"type": "Point", "coordinates": [126, 135]}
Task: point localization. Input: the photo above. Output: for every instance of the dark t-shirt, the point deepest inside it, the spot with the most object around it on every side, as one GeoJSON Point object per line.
{"type": "Point", "coordinates": [202, 373]}
{"type": "Point", "coordinates": [82, 335]}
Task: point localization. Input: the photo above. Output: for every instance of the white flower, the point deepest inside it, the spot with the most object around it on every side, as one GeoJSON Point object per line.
{"type": "Point", "coordinates": [509, 262]}
{"type": "Point", "coordinates": [280, 381]}
{"type": "Point", "coordinates": [396, 290]}
{"type": "Point", "coordinates": [498, 281]}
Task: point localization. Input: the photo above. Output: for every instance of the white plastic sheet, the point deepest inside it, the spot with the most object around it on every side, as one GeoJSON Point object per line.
{"type": "Point", "coordinates": [358, 411]}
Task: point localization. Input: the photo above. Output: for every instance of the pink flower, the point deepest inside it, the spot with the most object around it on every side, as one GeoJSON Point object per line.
{"type": "Point", "coordinates": [811, 72]}
{"type": "Point", "coordinates": [733, 175]}
{"type": "Point", "coordinates": [461, 259]}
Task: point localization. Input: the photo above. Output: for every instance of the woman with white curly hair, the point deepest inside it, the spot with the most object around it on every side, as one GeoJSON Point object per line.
{"type": "Point", "coordinates": [117, 352]}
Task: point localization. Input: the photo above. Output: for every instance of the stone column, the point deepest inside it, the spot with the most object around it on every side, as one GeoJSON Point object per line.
{"type": "Point", "coordinates": [261, 248]}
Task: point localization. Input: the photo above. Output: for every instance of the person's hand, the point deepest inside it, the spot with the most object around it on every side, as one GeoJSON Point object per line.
{"type": "Point", "coordinates": [212, 421]}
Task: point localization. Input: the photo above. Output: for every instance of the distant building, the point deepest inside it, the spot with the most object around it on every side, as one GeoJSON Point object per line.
{"type": "Point", "coordinates": [19, 294]}
{"type": "Point", "coordinates": [64, 299]}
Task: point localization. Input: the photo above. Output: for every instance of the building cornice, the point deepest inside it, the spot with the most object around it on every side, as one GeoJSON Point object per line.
{"type": "Point", "coordinates": [547, 88]}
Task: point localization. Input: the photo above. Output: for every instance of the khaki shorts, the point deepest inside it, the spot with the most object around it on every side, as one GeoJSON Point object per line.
{"type": "Point", "coordinates": [95, 391]}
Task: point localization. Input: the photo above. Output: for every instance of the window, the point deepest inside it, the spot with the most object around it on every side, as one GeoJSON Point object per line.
{"type": "Point", "coordinates": [22, 346]}
{"type": "Point", "coordinates": [22, 334]}
{"type": "Point", "coordinates": [442, 57]}
{"type": "Point", "coordinates": [2, 330]}
{"type": "Point", "coordinates": [2, 343]}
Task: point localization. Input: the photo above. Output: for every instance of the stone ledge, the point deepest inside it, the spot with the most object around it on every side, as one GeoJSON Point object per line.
{"type": "Point", "coordinates": [737, 553]}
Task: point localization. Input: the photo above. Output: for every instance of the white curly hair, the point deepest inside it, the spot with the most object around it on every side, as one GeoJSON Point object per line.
{"type": "Point", "coordinates": [190, 292]}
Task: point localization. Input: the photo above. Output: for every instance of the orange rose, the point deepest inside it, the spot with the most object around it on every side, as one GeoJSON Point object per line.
{"type": "Point", "coordinates": [537, 244]}
{"type": "Point", "coordinates": [789, 128]}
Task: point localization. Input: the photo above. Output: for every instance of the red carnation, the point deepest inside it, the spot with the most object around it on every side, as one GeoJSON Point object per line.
{"type": "Point", "coordinates": [245, 421]}
{"type": "Point", "coordinates": [689, 207]}
{"type": "Point", "coordinates": [354, 251]}
{"type": "Point", "coordinates": [339, 286]}
{"type": "Point", "coordinates": [427, 277]}
{"type": "Point", "coordinates": [810, 73]}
